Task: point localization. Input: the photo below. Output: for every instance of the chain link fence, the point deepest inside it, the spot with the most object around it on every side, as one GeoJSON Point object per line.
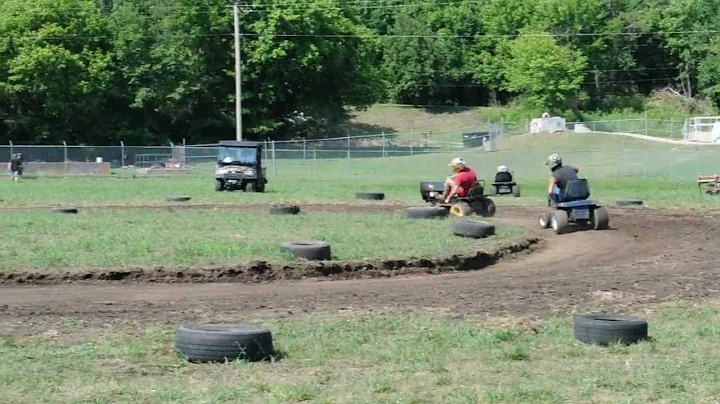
{"type": "Point", "coordinates": [383, 152]}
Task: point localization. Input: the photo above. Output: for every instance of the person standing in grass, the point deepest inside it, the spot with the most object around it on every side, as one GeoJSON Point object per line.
{"type": "Point", "coordinates": [16, 166]}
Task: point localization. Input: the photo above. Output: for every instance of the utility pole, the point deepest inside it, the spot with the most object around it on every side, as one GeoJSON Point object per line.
{"type": "Point", "coordinates": [238, 74]}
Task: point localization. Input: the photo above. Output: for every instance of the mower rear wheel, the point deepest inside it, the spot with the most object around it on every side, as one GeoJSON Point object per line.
{"type": "Point", "coordinates": [461, 209]}
{"type": "Point", "coordinates": [600, 219]}
{"type": "Point", "coordinates": [250, 186]}
{"type": "Point", "coordinates": [516, 190]}
{"type": "Point", "coordinates": [219, 185]}
{"type": "Point", "coordinates": [559, 221]}
{"type": "Point", "coordinates": [490, 208]}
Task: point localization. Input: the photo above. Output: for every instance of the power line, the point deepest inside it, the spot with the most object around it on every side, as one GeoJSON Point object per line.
{"type": "Point", "coordinates": [577, 34]}
{"type": "Point", "coordinates": [660, 79]}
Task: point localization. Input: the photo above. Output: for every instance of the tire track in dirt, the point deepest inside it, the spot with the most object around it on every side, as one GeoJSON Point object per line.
{"type": "Point", "coordinates": [647, 257]}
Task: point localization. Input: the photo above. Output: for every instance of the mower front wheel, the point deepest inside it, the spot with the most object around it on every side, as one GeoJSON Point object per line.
{"type": "Point", "coordinates": [219, 185]}
{"type": "Point", "coordinates": [544, 220]}
{"type": "Point", "coordinates": [249, 186]}
{"type": "Point", "coordinates": [461, 209]}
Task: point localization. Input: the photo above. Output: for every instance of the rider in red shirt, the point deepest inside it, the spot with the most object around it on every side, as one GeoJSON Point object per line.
{"type": "Point", "coordinates": [461, 182]}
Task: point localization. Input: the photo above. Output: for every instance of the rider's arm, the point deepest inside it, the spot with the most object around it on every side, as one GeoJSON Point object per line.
{"type": "Point", "coordinates": [551, 185]}
{"type": "Point", "coordinates": [453, 191]}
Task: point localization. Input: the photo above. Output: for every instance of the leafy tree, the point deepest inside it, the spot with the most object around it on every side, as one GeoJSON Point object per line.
{"type": "Point", "coordinates": [547, 74]}
{"type": "Point", "coordinates": [54, 69]}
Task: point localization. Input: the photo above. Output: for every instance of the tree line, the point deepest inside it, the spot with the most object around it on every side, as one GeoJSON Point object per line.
{"type": "Point", "coordinates": [152, 71]}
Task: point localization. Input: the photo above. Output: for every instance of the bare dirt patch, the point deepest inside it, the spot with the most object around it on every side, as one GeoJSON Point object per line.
{"type": "Point", "coordinates": [648, 257]}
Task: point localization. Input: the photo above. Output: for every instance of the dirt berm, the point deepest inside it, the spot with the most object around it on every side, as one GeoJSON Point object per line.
{"type": "Point", "coordinates": [263, 271]}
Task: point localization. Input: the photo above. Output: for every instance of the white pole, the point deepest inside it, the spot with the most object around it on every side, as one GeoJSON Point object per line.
{"type": "Point", "coordinates": [238, 75]}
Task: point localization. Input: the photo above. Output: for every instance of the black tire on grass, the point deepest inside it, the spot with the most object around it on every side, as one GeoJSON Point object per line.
{"type": "Point", "coordinates": [426, 212]}
{"type": "Point", "coordinates": [630, 202]}
{"type": "Point", "coordinates": [73, 211]}
{"type": "Point", "coordinates": [224, 342]}
{"type": "Point", "coordinates": [285, 210]}
{"type": "Point", "coordinates": [309, 250]}
{"type": "Point", "coordinates": [472, 228]}
{"type": "Point", "coordinates": [605, 329]}
{"type": "Point", "coordinates": [179, 198]}
{"type": "Point", "coordinates": [370, 196]}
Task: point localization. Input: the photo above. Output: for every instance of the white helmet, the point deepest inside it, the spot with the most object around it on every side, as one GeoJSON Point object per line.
{"type": "Point", "coordinates": [458, 162]}
{"type": "Point", "coordinates": [227, 160]}
{"type": "Point", "coordinates": [502, 169]}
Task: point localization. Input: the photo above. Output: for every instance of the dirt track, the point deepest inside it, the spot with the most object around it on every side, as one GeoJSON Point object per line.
{"type": "Point", "coordinates": [647, 257]}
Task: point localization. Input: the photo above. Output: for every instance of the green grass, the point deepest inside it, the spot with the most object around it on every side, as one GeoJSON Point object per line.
{"type": "Point", "coordinates": [374, 359]}
{"type": "Point", "coordinates": [46, 240]}
{"type": "Point", "coordinates": [616, 166]}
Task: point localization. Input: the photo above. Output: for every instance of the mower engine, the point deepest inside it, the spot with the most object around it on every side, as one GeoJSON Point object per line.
{"type": "Point", "coordinates": [431, 190]}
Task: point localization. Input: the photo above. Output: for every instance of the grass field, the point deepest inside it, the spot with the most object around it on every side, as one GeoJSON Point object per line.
{"type": "Point", "coordinates": [616, 166]}
{"type": "Point", "coordinates": [112, 239]}
{"type": "Point", "coordinates": [385, 358]}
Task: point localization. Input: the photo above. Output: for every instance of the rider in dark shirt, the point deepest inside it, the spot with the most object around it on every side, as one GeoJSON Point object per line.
{"type": "Point", "coordinates": [561, 174]}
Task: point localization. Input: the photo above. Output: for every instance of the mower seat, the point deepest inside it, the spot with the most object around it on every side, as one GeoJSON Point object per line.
{"type": "Point", "coordinates": [503, 178]}
{"type": "Point", "coordinates": [576, 190]}
{"type": "Point", "coordinates": [477, 191]}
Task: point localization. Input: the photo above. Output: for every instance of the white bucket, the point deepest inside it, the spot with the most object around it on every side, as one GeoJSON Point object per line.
{"type": "Point", "coordinates": [98, 159]}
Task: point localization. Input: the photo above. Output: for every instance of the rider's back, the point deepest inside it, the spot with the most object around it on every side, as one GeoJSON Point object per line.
{"type": "Point", "coordinates": [563, 174]}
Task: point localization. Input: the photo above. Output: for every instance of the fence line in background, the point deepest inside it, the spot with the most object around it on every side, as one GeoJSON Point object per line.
{"type": "Point", "coordinates": [347, 147]}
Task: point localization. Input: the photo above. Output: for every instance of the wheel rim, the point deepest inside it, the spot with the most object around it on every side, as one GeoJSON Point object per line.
{"type": "Point", "coordinates": [543, 223]}
{"type": "Point", "coordinates": [456, 211]}
{"type": "Point", "coordinates": [553, 223]}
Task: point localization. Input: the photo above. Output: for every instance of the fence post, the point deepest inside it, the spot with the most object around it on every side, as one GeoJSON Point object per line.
{"type": "Point", "coordinates": [65, 158]}
{"type": "Point", "coordinates": [646, 124]}
{"type": "Point", "coordinates": [265, 150]}
{"type": "Point", "coordinates": [11, 150]}
{"type": "Point", "coordinates": [348, 146]}
{"type": "Point", "coordinates": [304, 149]}
{"type": "Point", "coordinates": [122, 154]}
{"type": "Point", "coordinates": [274, 159]}
{"type": "Point", "coordinates": [315, 154]}
{"type": "Point", "coordinates": [412, 140]}
{"type": "Point", "coordinates": [672, 129]}
{"type": "Point", "coordinates": [182, 155]}
{"type": "Point", "coordinates": [383, 144]}
{"type": "Point", "coordinates": [502, 127]}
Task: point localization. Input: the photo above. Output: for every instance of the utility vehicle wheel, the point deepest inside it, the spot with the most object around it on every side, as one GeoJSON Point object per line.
{"type": "Point", "coordinates": [461, 209]}
{"type": "Point", "coordinates": [426, 212]}
{"type": "Point", "coordinates": [516, 190]}
{"type": "Point", "coordinates": [600, 219]}
{"type": "Point", "coordinates": [310, 250]}
{"type": "Point", "coordinates": [605, 329]}
{"type": "Point", "coordinates": [250, 186]}
{"type": "Point", "coordinates": [221, 342]}
{"type": "Point", "coordinates": [471, 228]}
{"type": "Point", "coordinates": [219, 185]}
{"type": "Point", "coordinates": [544, 220]}
{"type": "Point", "coordinates": [559, 221]}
